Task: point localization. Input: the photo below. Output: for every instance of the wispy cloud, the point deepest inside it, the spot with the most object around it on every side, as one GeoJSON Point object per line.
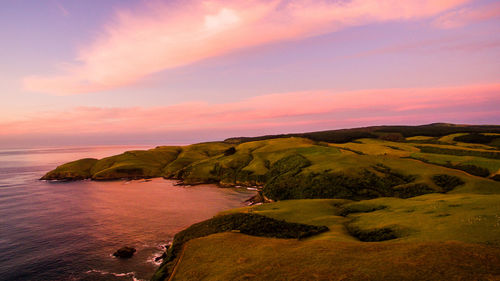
{"type": "Point", "coordinates": [294, 111]}
{"type": "Point", "coordinates": [139, 42]}
{"type": "Point", "coordinates": [467, 15]}
{"type": "Point", "coordinates": [430, 46]}
{"type": "Point", "coordinates": [61, 9]}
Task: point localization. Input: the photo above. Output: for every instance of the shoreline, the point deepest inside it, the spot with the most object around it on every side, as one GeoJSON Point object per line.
{"type": "Point", "coordinates": [253, 200]}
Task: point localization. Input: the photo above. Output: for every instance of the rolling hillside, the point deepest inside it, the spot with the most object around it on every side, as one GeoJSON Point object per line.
{"type": "Point", "coordinates": [299, 167]}
{"type": "Point", "coordinates": [379, 203]}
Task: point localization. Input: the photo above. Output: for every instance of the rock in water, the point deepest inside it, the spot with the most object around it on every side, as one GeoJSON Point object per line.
{"type": "Point", "coordinates": [162, 257]}
{"type": "Point", "coordinates": [124, 252]}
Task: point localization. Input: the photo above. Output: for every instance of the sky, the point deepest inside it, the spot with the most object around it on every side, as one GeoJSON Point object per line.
{"type": "Point", "coordinates": [93, 72]}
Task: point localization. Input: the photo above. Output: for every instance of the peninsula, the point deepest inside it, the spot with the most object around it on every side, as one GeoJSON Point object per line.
{"type": "Point", "coordinates": [374, 203]}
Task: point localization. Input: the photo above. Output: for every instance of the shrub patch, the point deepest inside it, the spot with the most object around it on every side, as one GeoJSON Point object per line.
{"type": "Point", "coordinates": [447, 182]}
{"type": "Point", "coordinates": [372, 235]}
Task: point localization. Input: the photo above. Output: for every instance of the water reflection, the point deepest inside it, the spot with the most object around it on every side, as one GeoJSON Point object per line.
{"type": "Point", "coordinates": [67, 231]}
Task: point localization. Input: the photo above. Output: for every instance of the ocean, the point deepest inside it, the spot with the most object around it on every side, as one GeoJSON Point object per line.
{"type": "Point", "coordinates": [69, 230]}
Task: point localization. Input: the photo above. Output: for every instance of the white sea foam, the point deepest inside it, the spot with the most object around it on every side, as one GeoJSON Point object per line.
{"type": "Point", "coordinates": [152, 259]}
{"type": "Point", "coordinates": [162, 247]}
{"type": "Point", "coordinates": [102, 272]}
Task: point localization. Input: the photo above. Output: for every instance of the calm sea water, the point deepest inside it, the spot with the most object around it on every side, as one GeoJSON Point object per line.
{"type": "Point", "coordinates": [68, 231]}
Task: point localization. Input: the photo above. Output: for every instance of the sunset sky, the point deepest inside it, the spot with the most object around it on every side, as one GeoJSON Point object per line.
{"type": "Point", "coordinates": [176, 72]}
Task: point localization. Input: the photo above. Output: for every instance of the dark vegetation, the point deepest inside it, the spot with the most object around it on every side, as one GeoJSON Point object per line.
{"type": "Point", "coordinates": [352, 150]}
{"type": "Point", "coordinates": [468, 168]}
{"type": "Point", "coordinates": [336, 136]}
{"type": "Point", "coordinates": [476, 138]}
{"type": "Point", "coordinates": [233, 171]}
{"type": "Point", "coordinates": [394, 147]}
{"type": "Point", "coordinates": [471, 169]}
{"type": "Point", "coordinates": [288, 166]}
{"type": "Point", "coordinates": [250, 224]}
{"type": "Point", "coordinates": [289, 184]}
{"type": "Point", "coordinates": [230, 151]}
{"type": "Point", "coordinates": [131, 173]}
{"type": "Point", "coordinates": [372, 235]}
{"type": "Point", "coordinates": [447, 182]}
{"type": "Point", "coordinates": [459, 152]}
{"type": "Point", "coordinates": [413, 190]}
{"type": "Point", "coordinates": [395, 137]}
{"type": "Point", "coordinates": [356, 208]}
{"type": "Point", "coordinates": [388, 171]}
{"type": "Point", "coordinates": [496, 177]}
{"type": "Point", "coordinates": [438, 129]}
{"type": "Point", "coordinates": [347, 135]}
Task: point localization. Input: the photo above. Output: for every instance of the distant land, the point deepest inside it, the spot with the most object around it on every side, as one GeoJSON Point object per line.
{"type": "Point", "coordinates": [373, 203]}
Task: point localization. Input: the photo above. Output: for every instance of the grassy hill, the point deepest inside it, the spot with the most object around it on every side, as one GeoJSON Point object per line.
{"type": "Point", "coordinates": [389, 132]}
{"type": "Point", "coordinates": [430, 237]}
{"type": "Point", "coordinates": [379, 203]}
{"type": "Point", "coordinates": [298, 167]}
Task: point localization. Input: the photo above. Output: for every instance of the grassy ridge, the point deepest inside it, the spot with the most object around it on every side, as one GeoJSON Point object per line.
{"type": "Point", "coordinates": [459, 152]}
{"type": "Point", "coordinates": [239, 257]}
{"type": "Point", "coordinates": [470, 218]}
{"type": "Point", "coordinates": [414, 234]}
{"type": "Point", "coordinates": [299, 168]}
{"type": "Point", "coordinates": [389, 132]}
{"type": "Point", "coordinates": [251, 224]}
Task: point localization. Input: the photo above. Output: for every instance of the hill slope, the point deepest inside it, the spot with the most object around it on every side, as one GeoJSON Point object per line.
{"type": "Point", "coordinates": [430, 237]}
{"type": "Point", "coordinates": [383, 203]}
{"type": "Point", "coordinates": [297, 167]}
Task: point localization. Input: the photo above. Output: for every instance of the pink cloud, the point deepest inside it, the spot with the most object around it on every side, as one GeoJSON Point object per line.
{"type": "Point", "coordinates": [294, 111]}
{"type": "Point", "coordinates": [61, 9]}
{"type": "Point", "coordinates": [139, 42]}
{"type": "Point", "coordinates": [467, 15]}
{"type": "Point", "coordinates": [430, 46]}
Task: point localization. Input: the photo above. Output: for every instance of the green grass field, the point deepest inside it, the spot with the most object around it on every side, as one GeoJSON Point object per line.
{"type": "Point", "coordinates": [230, 256]}
{"type": "Point", "coordinates": [251, 162]}
{"type": "Point", "coordinates": [439, 237]}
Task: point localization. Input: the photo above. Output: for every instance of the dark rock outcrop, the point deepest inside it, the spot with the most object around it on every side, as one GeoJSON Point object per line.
{"type": "Point", "coordinates": [124, 252]}
{"type": "Point", "coordinates": [258, 198]}
{"type": "Point", "coordinates": [161, 258]}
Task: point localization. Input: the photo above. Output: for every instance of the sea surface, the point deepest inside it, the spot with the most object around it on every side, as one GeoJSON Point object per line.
{"type": "Point", "coordinates": [69, 230]}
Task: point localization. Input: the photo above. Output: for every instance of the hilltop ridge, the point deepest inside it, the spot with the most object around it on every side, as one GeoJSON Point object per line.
{"type": "Point", "coordinates": [346, 135]}
{"type": "Point", "coordinates": [368, 163]}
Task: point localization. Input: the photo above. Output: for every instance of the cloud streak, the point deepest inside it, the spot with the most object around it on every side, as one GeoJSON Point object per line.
{"type": "Point", "coordinates": [61, 9]}
{"type": "Point", "coordinates": [295, 111]}
{"type": "Point", "coordinates": [467, 15]}
{"type": "Point", "coordinates": [136, 43]}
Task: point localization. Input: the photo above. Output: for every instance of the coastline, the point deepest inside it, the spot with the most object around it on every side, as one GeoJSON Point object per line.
{"type": "Point", "coordinates": [367, 192]}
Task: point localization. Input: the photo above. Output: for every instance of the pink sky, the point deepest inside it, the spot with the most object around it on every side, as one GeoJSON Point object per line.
{"type": "Point", "coordinates": [167, 69]}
